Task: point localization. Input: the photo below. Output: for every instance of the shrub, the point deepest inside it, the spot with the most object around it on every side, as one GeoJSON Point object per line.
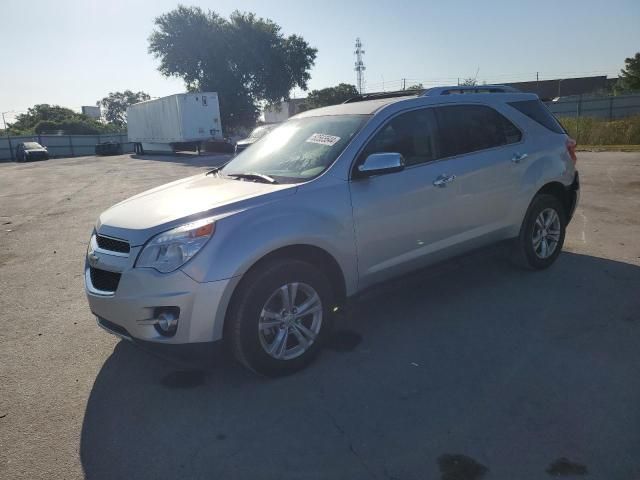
{"type": "Point", "coordinates": [596, 131]}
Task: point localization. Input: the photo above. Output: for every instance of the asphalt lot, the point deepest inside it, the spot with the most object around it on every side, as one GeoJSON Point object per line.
{"type": "Point", "coordinates": [514, 370]}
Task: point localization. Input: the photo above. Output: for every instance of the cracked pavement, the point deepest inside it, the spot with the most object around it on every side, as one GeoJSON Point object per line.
{"type": "Point", "coordinates": [471, 361]}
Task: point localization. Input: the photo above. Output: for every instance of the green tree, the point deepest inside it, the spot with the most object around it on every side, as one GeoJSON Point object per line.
{"type": "Point", "coordinates": [629, 79]}
{"type": "Point", "coordinates": [245, 59]}
{"type": "Point", "coordinates": [44, 118]}
{"type": "Point", "coordinates": [114, 106]}
{"type": "Point", "coordinates": [26, 122]}
{"type": "Point", "coordinates": [330, 96]}
{"type": "Point", "coordinates": [469, 82]}
{"type": "Point", "coordinates": [417, 86]}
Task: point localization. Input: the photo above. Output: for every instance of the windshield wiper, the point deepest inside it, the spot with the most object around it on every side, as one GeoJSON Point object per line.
{"type": "Point", "coordinates": [253, 176]}
{"type": "Point", "coordinates": [217, 169]}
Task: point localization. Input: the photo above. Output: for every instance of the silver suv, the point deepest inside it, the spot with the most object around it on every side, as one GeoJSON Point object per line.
{"type": "Point", "coordinates": [263, 251]}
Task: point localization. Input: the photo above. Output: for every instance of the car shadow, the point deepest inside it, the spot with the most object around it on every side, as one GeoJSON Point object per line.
{"type": "Point", "coordinates": [472, 359]}
{"type": "Point", "coordinates": [205, 159]}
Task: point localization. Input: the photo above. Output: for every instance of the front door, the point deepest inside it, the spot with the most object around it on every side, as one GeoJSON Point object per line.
{"type": "Point", "coordinates": [400, 218]}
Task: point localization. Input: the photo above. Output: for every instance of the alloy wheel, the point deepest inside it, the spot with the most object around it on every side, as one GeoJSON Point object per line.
{"type": "Point", "coordinates": [546, 233]}
{"type": "Point", "coordinates": [290, 321]}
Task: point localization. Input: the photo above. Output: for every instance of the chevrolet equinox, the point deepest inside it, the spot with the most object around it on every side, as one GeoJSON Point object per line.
{"type": "Point", "coordinates": [262, 251]}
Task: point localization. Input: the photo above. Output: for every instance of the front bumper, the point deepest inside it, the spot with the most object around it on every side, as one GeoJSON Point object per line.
{"type": "Point", "coordinates": [129, 311]}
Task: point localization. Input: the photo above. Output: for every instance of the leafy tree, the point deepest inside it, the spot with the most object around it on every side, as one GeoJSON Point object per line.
{"type": "Point", "coordinates": [469, 82]}
{"type": "Point", "coordinates": [26, 122]}
{"type": "Point", "coordinates": [417, 86]}
{"type": "Point", "coordinates": [629, 79]}
{"type": "Point", "coordinates": [46, 118]}
{"type": "Point", "coordinates": [246, 59]}
{"type": "Point", "coordinates": [330, 96]}
{"type": "Point", "coordinates": [114, 106]}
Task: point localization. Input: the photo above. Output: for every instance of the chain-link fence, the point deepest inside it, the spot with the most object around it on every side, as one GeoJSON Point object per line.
{"type": "Point", "coordinates": [608, 108]}
{"type": "Point", "coordinates": [604, 120]}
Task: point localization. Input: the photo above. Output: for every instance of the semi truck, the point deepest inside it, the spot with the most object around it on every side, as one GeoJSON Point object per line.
{"type": "Point", "coordinates": [178, 122]}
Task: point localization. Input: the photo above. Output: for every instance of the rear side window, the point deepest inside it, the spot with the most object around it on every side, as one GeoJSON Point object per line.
{"type": "Point", "coordinates": [536, 110]}
{"type": "Point", "coordinates": [469, 128]}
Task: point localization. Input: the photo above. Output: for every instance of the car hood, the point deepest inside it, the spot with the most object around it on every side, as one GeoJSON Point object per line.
{"type": "Point", "coordinates": [246, 141]}
{"type": "Point", "coordinates": [161, 208]}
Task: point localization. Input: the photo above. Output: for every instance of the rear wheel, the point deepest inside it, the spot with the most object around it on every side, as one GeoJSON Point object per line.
{"type": "Point", "coordinates": [541, 234]}
{"type": "Point", "coordinates": [280, 317]}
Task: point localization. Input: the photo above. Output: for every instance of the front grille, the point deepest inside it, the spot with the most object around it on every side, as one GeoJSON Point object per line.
{"type": "Point", "coordinates": [104, 280]}
{"type": "Point", "coordinates": [112, 244]}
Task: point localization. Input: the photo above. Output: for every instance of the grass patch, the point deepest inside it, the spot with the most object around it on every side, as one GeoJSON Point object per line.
{"type": "Point", "coordinates": [597, 131]}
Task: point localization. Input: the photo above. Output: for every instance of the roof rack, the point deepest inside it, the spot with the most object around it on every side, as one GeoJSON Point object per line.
{"type": "Point", "coordinates": [468, 89]}
{"type": "Point", "coordinates": [380, 95]}
{"type": "Point", "coordinates": [432, 92]}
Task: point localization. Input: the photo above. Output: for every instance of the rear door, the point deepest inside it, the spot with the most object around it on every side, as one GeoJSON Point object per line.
{"type": "Point", "coordinates": [484, 149]}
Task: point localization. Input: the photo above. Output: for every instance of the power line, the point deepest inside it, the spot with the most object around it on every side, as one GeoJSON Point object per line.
{"type": "Point", "coordinates": [400, 83]}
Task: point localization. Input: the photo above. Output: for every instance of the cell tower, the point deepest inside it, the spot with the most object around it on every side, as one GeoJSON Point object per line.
{"type": "Point", "coordinates": [360, 68]}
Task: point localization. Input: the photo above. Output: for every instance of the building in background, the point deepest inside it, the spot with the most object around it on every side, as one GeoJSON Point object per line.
{"type": "Point", "coordinates": [91, 111]}
{"type": "Point", "coordinates": [548, 90]}
{"type": "Point", "coordinates": [283, 110]}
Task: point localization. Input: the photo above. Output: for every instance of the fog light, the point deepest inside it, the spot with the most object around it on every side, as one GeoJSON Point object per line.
{"type": "Point", "coordinates": [167, 320]}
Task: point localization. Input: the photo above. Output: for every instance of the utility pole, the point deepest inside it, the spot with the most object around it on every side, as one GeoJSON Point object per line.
{"type": "Point", "coordinates": [404, 84]}
{"type": "Point", "coordinates": [537, 80]}
{"type": "Point", "coordinates": [6, 132]}
{"type": "Point", "coordinates": [359, 66]}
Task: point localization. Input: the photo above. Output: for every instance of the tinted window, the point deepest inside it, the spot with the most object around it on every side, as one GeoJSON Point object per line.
{"type": "Point", "coordinates": [468, 128]}
{"type": "Point", "coordinates": [410, 134]}
{"type": "Point", "coordinates": [536, 110]}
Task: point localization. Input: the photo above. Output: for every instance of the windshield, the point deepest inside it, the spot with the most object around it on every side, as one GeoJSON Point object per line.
{"type": "Point", "coordinates": [31, 145]}
{"type": "Point", "coordinates": [260, 132]}
{"type": "Point", "coordinates": [299, 149]}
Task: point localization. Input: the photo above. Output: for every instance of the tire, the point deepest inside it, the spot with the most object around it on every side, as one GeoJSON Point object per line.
{"type": "Point", "coordinates": [263, 292]}
{"type": "Point", "coordinates": [526, 254]}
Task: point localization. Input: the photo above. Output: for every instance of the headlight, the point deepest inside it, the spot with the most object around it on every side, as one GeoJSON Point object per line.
{"type": "Point", "coordinates": [170, 250]}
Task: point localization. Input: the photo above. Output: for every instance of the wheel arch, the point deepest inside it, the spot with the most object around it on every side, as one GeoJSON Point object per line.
{"type": "Point", "coordinates": [312, 254]}
{"type": "Point", "coordinates": [561, 192]}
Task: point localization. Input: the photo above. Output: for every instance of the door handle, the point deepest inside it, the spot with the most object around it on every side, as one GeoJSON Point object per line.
{"type": "Point", "coordinates": [442, 180]}
{"type": "Point", "coordinates": [518, 157]}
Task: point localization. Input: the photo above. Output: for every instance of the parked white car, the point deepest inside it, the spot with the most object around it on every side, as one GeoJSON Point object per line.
{"type": "Point", "coordinates": [262, 251]}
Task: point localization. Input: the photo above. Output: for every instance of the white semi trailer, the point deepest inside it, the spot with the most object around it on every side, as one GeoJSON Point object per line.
{"type": "Point", "coordinates": [178, 122]}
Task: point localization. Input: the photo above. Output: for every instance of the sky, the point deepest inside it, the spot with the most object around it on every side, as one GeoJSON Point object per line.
{"type": "Point", "coordinates": [74, 52]}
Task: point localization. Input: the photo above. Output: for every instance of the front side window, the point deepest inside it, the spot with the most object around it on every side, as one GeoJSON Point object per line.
{"type": "Point", "coordinates": [469, 128]}
{"type": "Point", "coordinates": [411, 134]}
{"type": "Point", "coordinates": [299, 149]}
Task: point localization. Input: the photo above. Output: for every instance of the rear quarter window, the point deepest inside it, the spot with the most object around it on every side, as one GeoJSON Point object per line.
{"type": "Point", "coordinates": [538, 112]}
{"type": "Point", "coordinates": [470, 128]}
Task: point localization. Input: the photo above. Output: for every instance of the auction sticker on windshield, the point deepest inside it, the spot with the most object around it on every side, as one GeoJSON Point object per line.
{"type": "Point", "coordinates": [323, 139]}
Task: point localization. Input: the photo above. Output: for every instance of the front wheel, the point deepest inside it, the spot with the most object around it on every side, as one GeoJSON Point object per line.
{"type": "Point", "coordinates": [541, 234]}
{"type": "Point", "coordinates": [280, 317]}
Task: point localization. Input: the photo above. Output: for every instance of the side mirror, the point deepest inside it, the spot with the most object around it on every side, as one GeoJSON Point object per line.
{"type": "Point", "coordinates": [378, 163]}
